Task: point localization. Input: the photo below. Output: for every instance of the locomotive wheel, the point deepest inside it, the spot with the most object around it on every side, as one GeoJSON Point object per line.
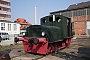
{"type": "Point", "coordinates": [63, 45]}
{"type": "Point", "coordinates": [68, 42]}
{"type": "Point", "coordinates": [49, 50]}
{"type": "Point", "coordinates": [0, 38]}
{"type": "Point", "coordinates": [58, 45]}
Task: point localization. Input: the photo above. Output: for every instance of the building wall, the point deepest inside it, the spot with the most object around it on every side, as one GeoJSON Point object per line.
{"type": "Point", "coordinates": [80, 24]}
{"type": "Point", "coordinates": [5, 10]}
{"type": "Point", "coordinates": [80, 28]}
{"type": "Point", "coordinates": [9, 27]}
{"type": "Point", "coordinates": [78, 17]}
{"type": "Point", "coordinates": [79, 14]}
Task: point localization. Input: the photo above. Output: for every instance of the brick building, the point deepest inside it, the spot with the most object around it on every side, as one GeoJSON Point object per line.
{"type": "Point", "coordinates": [80, 17]}
{"type": "Point", "coordinates": [5, 10]}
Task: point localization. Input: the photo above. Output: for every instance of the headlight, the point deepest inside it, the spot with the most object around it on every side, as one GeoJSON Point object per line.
{"type": "Point", "coordinates": [43, 33]}
{"type": "Point", "coordinates": [23, 33]}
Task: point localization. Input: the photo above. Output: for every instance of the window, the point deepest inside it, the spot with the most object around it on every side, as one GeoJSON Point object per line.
{"type": "Point", "coordinates": [9, 27]}
{"type": "Point", "coordinates": [68, 13]}
{"type": "Point", "coordinates": [51, 19]}
{"type": "Point", "coordinates": [75, 13]}
{"type": "Point", "coordinates": [2, 26]}
{"type": "Point", "coordinates": [9, 10]}
{"type": "Point", "coordinates": [58, 19]}
{"type": "Point", "coordinates": [8, 16]}
{"type": "Point", "coordinates": [88, 11]}
{"type": "Point", "coordinates": [5, 3]}
{"type": "Point", "coordinates": [8, 3]}
{"type": "Point", "coordinates": [15, 27]}
{"type": "Point", "coordinates": [0, 8]}
{"type": "Point", "coordinates": [44, 20]}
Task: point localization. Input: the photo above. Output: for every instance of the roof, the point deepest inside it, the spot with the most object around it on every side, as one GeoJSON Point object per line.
{"type": "Point", "coordinates": [22, 21]}
{"type": "Point", "coordinates": [75, 7]}
{"type": "Point", "coordinates": [79, 5]}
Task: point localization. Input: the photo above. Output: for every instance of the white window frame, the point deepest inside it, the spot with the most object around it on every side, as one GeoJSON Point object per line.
{"type": "Point", "coordinates": [2, 26]}
{"type": "Point", "coordinates": [15, 27]}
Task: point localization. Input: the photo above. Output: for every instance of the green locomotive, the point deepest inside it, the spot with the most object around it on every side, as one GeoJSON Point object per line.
{"type": "Point", "coordinates": [54, 33]}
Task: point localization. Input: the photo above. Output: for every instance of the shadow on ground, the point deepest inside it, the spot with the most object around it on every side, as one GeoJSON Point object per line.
{"type": "Point", "coordinates": [82, 54]}
{"type": "Point", "coordinates": [4, 55]}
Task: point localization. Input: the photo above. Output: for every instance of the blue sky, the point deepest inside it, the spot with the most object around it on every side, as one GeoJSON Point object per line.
{"type": "Point", "coordinates": [25, 8]}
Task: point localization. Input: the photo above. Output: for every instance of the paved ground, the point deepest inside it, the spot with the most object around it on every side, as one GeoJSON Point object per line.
{"type": "Point", "coordinates": [16, 55]}
{"type": "Point", "coordinates": [79, 50]}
